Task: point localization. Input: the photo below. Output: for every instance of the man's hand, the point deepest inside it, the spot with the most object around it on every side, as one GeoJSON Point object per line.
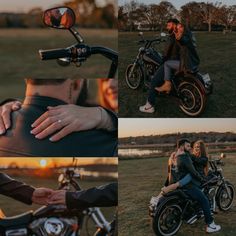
{"type": "Point", "coordinates": [5, 114]}
{"type": "Point", "coordinates": [58, 197]}
{"type": "Point", "coordinates": [41, 195]}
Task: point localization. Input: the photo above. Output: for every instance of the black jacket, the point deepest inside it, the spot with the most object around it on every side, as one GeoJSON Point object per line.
{"type": "Point", "coordinates": [185, 166]}
{"type": "Point", "coordinates": [15, 189]}
{"type": "Point", "coordinates": [189, 59]}
{"type": "Point", "coordinates": [199, 163]}
{"type": "Point", "coordinates": [102, 196]}
{"type": "Point", "coordinates": [18, 140]}
{"type": "Point", "coordinates": [172, 50]}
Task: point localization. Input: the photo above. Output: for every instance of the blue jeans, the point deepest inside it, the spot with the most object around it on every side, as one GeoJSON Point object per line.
{"type": "Point", "coordinates": [196, 194]}
{"type": "Point", "coordinates": [169, 66]}
{"type": "Point", "coordinates": [185, 180]}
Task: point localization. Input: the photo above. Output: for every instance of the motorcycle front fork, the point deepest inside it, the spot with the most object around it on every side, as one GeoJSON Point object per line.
{"type": "Point", "coordinates": [103, 225]}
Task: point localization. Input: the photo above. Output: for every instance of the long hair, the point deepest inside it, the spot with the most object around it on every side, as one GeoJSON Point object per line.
{"type": "Point", "coordinates": [102, 100]}
{"type": "Point", "coordinates": [203, 153]}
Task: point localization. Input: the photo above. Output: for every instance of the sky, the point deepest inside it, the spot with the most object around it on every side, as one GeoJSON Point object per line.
{"type": "Point", "coordinates": [154, 126]}
{"type": "Point", "coordinates": [178, 3]}
{"type": "Point", "coordinates": [26, 5]}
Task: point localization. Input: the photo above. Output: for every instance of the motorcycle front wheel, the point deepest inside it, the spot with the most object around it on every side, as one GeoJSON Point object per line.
{"type": "Point", "coordinates": [225, 198]}
{"type": "Point", "coordinates": [134, 76]}
{"type": "Point", "coordinates": [167, 221]}
{"type": "Point", "coordinates": [192, 98]}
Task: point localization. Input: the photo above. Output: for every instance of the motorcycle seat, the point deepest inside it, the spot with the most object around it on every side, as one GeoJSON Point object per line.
{"type": "Point", "coordinates": [21, 219]}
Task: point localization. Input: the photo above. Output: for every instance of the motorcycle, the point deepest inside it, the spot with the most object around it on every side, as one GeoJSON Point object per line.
{"type": "Point", "coordinates": [64, 18]}
{"type": "Point", "coordinates": [55, 220]}
{"type": "Point", "coordinates": [191, 89]}
{"type": "Point", "coordinates": [169, 211]}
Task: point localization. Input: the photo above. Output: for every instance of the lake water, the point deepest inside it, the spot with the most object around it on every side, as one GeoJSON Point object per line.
{"type": "Point", "coordinates": [126, 152]}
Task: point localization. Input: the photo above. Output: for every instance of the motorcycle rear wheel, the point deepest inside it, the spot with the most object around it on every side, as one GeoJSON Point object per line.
{"type": "Point", "coordinates": [225, 202]}
{"type": "Point", "coordinates": [134, 78]}
{"type": "Point", "coordinates": [167, 221]}
{"type": "Point", "coordinates": [192, 98]}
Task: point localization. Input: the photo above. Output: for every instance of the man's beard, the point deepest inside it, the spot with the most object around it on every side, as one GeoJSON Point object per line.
{"type": "Point", "coordinates": [187, 151]}
{"type": "Point", "coordinates": [83, 95]}
{"type": "Point", "coordinates": [170, 31]}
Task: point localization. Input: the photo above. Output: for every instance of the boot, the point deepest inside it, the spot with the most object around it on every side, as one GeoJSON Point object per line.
{"type": "Point", "coordinates": [166, 87]}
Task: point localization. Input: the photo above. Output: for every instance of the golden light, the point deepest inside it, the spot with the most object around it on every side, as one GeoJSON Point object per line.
{"type": "Point", "coordinates": [43, 163]}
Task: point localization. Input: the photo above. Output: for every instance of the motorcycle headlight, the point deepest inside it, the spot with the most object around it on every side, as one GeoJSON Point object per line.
{"type": "Point", "coordinates": [54, 226]}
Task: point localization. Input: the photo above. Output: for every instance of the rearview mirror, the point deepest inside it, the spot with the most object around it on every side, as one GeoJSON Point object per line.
{"type": "Point", "coordinates": [59, 17]}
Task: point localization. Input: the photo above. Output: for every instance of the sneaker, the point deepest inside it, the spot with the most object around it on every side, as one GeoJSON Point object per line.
{"type": "Point", "coordinates": [211, 228]}
{"type": "Point", "coordinates": [148, 108]}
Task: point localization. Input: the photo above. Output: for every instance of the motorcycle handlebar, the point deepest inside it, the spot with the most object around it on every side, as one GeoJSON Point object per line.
{"type": "Point", "coordinates": [54, 53]}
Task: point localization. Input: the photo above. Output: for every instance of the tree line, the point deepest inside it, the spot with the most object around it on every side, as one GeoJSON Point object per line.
{"type": "Point", "coordinates": [88, 15]}
{"type": "Point", "coordinates": [209, 137]}
{"type": "Point", "coordinates": [203, 16]}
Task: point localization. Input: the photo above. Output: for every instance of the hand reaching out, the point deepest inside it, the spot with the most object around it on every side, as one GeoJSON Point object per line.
{"type": "Point", "coordinates": [58, 197]}
{"type": "Point", "coordinates": [41, 196]}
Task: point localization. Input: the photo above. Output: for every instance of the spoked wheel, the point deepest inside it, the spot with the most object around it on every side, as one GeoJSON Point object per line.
{"type": "Point", "coordinates": [133, 76]}
{"type": "Point", "coordinates": [192, 98]}
{"type": "Point", "coordinates": [168, 221]}
{"type": "Point", "coordinates": [226, 197]}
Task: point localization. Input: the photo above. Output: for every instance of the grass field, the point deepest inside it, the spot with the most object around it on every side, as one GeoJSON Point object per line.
{"type": "Point", "coordinates": [11, 207]}
{"type": "Point", "coordinates": [19, 56]}
{"type": "Point", "coordinates": [218, 57]}
{"type": "Point", "coordinates": [139, 179]}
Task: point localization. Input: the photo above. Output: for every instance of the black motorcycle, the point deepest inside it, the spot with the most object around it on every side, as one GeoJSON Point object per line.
{"type": "Point", "coordinates": [64, 18]}
{"type": "Point", "coordinates": [191, 89]}
{"type": "Point", "coordinates": [170, 210]}
{"type": "Point", "coordinates": [57, 220]}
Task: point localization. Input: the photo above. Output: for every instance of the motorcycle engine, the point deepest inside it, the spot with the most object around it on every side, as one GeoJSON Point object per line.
{"type": "Point", "coordinates": [55, 226]}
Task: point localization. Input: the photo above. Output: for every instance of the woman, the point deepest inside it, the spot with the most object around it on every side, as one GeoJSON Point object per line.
{"type": "Point", "coordinates": [189, 59]}
{"type": "Point", "coordinates": [200, 162]}
{"type": "Point", "coordinates": [86, 117]}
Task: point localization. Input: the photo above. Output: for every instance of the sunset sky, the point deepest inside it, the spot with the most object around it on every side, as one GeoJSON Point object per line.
{"type": "Point", "coordinates": [42, 162]}
{"type": "Point", "coordinates": [151, 126]}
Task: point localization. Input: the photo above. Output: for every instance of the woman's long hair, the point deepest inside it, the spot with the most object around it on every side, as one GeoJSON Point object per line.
{"type": "Point", "coordinates": [202, 153]}
{"type": "Point", "coordinates": [102, 100]}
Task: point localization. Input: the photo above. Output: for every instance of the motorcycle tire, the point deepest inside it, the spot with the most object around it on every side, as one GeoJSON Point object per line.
{"type": "Point", "coordinates": [222, 195]}
{"type": "Point", "coordinates": [168, 214]}
{"type": "Point", "coordinates": [192, 98]}
{"type": "Point", "coordinates": [134, 79]}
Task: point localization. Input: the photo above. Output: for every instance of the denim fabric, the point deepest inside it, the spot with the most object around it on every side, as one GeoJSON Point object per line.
{"type": "Point", "coordinates": [169, 66]}
{"type": "Point", "coordinates": [185, 180]}
{"type": "Point", "coordinates": [196, 194]}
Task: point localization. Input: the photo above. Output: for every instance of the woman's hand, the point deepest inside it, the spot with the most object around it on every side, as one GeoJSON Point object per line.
{"type": "Point", "coordinates": [66, 119]}
{"type": "Point", "coordinates": [5, 115]}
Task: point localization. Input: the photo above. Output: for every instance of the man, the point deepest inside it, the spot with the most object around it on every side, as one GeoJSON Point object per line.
{"type": "Point", "coordinates": [185, 166]}
{"type": "Point", "coordinates": [22, 192]}
{"type": "Point", "coordinates": [102, 196]}
{"type": "Point", "coordinates": [171, 53]}
{"type": "Point", "coordinates": [41, 93]}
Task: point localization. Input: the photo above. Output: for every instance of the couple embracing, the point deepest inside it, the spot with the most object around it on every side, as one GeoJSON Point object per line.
{"type": "Point", "coordinates": [188, 170]}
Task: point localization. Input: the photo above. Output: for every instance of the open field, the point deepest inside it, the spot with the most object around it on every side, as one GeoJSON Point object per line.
{"type": "Point", "coordinates": [218, 57]}
{"type": "Point", "coordinates": [20, 59]}
{"type": "Point", "coordinates": [139, 179]}
{"type": "Point", "coordinates": [11, 207]}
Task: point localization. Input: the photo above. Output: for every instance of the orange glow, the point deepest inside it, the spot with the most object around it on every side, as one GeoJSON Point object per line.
{"type": "Point", "coordinates": [39, 162]}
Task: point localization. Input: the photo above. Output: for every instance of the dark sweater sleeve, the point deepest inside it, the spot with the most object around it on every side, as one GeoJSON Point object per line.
{"type": "Point", "coordinates": [15, 189]}
{"type": "Point", "coordinates": [200, 160]}
{"type": "Point", "coordinates": [187, 162]}
{"type": "Point", "coordinates": [102, 196]}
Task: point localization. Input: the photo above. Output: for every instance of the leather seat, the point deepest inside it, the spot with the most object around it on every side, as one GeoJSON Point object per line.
{"type": "Point", "coordinates": [21, 219]}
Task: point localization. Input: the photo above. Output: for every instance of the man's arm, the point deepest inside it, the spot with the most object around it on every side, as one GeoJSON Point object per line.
{"type": "Point", "coordinates": [199, 160]}
{"type": "Point", "coordinates": [15, 189]}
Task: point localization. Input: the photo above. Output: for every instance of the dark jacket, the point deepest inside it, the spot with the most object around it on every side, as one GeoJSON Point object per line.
{"type": "Point", "coordinates": [18, 141]}
{"type": "Point", "coordinates": [185, 166]}
{"type": "Point", "coordinates": [199, 163]}
{"type": "Point", "coordinates": [172, 50]}
{"type": "Point", "coordinates": [189, 59]}
{"type": "Point", "coordinates": [102, 196]}
{"type": "Point", "coordinates": [15, 189]}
